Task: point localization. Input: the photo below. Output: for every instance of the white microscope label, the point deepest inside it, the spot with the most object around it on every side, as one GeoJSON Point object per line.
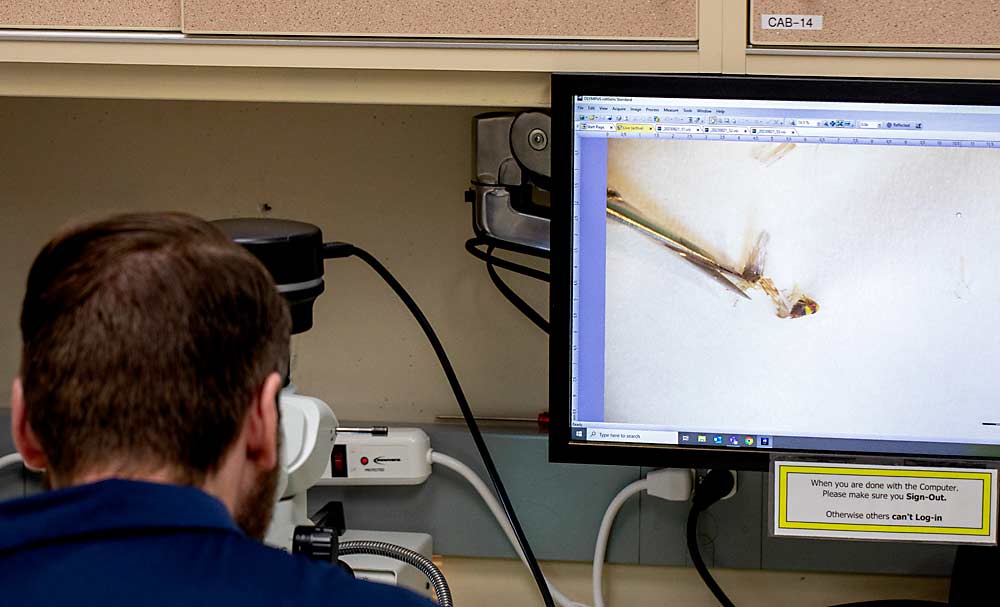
{"type": "Point", "coordinates": [902, 503]}
{"type": "Point", "coordinates": [791, 22]}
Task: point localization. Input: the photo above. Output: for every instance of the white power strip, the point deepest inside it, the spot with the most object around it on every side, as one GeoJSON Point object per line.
{"type": "Point", "coordinates": [399, 457]}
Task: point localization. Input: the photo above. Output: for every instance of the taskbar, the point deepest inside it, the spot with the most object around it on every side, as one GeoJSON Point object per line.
{"type": "Point", "coordinates": [729, 440]}
{"type": "Point", "coordinates": [669, 437]}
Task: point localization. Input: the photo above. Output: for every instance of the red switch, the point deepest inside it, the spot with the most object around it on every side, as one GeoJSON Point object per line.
{"type": "Point", "coordinates": [338, 461]}
{"type": "Point", "coordinates": [364, 461]}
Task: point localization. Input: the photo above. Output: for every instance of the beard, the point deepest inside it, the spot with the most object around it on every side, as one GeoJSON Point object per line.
{"type": "Point", "coordinates": [255, 509]}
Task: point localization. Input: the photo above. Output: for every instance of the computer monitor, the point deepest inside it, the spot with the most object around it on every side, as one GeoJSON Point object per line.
{"type": "Point", "coordinates": [750, 266]}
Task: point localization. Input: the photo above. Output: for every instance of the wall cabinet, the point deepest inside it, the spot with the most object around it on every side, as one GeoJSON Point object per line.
{"type": "Point", "coordinates": [92, 14]}
{"type": "Point", "coordinates": [891, 23]}
{"type": "Point", "coordinates": [545, 19]}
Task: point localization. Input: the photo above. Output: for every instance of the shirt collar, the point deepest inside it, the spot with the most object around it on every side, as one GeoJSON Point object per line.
{"type": "Point", "coordinates": [111, 505]}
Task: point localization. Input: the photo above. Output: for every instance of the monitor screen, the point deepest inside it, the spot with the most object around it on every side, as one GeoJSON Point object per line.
{"type": "Point", "coordinates": [749, 266]}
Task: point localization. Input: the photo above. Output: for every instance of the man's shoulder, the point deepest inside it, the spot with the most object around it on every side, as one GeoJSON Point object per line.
{"type": "Point", "coordinates": [308, 580]}
{"type": "Point", "coordinates": [183, 567]}
{"type": "Point", "coordinates": [98, 544]}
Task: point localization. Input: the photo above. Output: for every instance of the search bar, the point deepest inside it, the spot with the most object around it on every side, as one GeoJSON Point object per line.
{"type": "Point", "coordinates": [607, 435]}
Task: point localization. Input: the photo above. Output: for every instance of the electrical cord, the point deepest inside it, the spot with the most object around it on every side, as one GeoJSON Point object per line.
{"type": "Point", "coordinates": [332, 250]}
{"type": "Point", "coordinates": [663, 484]}
{"type": "Point", "coordinates": [604, 533]}
{"type": "Point", "coordinates": [699, 562]}
{"type": "Point", "coordinates": [714, 486]}
{"type": "Point", "coordinates": [436, 457]}
{"type": "Point", "coordinates": [895, 603]}
{"type": "Point", "coordinates": [484, 238]}
{"type": "Point", "coordinates": [10, 460]}
{"type": "Point", "coordinates": [472, 246]}
{"type": "Point", "coordinates": [513, 297]}
{"type": "Point", "coordinates": [492, 262]}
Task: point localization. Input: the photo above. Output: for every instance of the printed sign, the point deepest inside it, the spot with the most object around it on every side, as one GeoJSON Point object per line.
{"type": "Point", "coordinates": [791, 22]}
{"type": "Point", "coordinates": [846, 501]}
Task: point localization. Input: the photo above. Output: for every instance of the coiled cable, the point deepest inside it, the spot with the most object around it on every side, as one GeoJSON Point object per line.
{"type": "Point", "coordinates": [405, 555]}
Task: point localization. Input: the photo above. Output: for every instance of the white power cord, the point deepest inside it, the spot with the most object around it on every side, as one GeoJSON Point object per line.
{"type": "Point", "coordinates": [668, 484]}
{"type": "Point", "coordinates": [10, 460]}
{"type": "Point", "coordinates": [491, 502]}
{"type": "Point", "coordinates": [601, 547]}
{"type": "Point", "coordinates": [676, 485]}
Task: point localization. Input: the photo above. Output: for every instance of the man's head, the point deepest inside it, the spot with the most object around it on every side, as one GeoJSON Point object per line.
{"type": "Point", "coordinates": [153, 348]}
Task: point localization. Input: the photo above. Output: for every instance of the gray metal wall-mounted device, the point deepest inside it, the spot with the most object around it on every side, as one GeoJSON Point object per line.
{"type": "Point", "coordinates": [511, 173]}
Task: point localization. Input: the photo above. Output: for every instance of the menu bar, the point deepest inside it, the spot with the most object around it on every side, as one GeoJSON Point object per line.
{"type": "Point", "coordinates": [721, 104]}
{"type": "Point", "coordinates": [806, 119]}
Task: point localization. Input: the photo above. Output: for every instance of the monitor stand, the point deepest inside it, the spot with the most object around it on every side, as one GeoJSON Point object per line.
{"type": "Point", "coordinates": [973, 577]}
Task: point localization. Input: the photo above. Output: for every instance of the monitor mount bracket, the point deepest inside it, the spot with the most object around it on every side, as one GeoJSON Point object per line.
{"type": "Point", "coordinates": [511, 178]}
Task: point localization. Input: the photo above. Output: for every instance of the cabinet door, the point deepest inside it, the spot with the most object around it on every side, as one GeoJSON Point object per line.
{"type": "Point", "coordinates": [899, 23]}
{"type": "Point", "coordinates": [92, 14]}
{"type": "Point", "coordinates": [540, 19]}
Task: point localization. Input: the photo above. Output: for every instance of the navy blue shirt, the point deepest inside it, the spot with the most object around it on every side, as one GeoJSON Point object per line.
{"type": "Point", "coordinates": [130, 543]}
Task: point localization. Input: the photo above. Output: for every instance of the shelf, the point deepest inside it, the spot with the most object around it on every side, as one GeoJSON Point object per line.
{"type": "Point", "coordinates": [176, 66]}
{"type": "Point", "coordinates": [874, 63]}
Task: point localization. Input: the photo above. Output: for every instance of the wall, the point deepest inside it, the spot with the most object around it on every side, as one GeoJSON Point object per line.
{"type": "Point", "coordinates": [389, 179]}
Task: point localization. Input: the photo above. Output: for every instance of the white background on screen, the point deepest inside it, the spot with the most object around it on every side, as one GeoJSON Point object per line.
{"type": "Point", "coordinates": [899, 245]}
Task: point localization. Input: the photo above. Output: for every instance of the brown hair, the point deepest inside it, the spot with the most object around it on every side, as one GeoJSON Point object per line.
{"type": "Point", "coordinates": [145, 340]}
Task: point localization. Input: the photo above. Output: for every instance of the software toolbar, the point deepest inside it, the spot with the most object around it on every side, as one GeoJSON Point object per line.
{"type": "Point", "coordinates": [857, 124]}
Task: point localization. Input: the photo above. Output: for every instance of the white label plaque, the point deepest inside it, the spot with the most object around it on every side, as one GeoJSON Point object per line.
{"type": "Point", "coordinates": [791, 22]}
{"type": "Point", "coordinates": [847, 501]}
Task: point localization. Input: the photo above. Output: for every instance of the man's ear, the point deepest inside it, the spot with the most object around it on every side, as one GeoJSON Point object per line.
{"type": "Point", "coordinates": [24, 437]}
{"type": "Point", "coordinates": [262, 425]}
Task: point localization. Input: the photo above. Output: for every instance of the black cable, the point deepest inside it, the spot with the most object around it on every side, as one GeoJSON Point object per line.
{"type": "Point", "coordinates": [472, 246]}
{"type": "Point", "coordinates": [338, 249]}
{"type": "Point", "coordinates": [896, 603]}
{"type": "Point", "coordinates": [515, 299]}
{"type": "Point", "coordinates": [699, 562]}
{"type": "Point", "coordinates": [720, 595]}
{"type": "Point", "coordinates": [714, 486]}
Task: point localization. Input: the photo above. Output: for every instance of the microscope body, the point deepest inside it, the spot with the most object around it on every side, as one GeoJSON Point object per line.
{"type": "Point", "coordinates": [292, 252]}
{"type": "Point", "coordinates": [308, 431]}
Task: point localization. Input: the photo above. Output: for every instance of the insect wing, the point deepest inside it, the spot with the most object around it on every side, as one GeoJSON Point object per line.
{"type": "Point", "coordinates": [754, 268]}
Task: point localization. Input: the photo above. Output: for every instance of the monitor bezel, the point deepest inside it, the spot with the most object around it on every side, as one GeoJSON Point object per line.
{"type": "Point", "coordinates": [704, 86]}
